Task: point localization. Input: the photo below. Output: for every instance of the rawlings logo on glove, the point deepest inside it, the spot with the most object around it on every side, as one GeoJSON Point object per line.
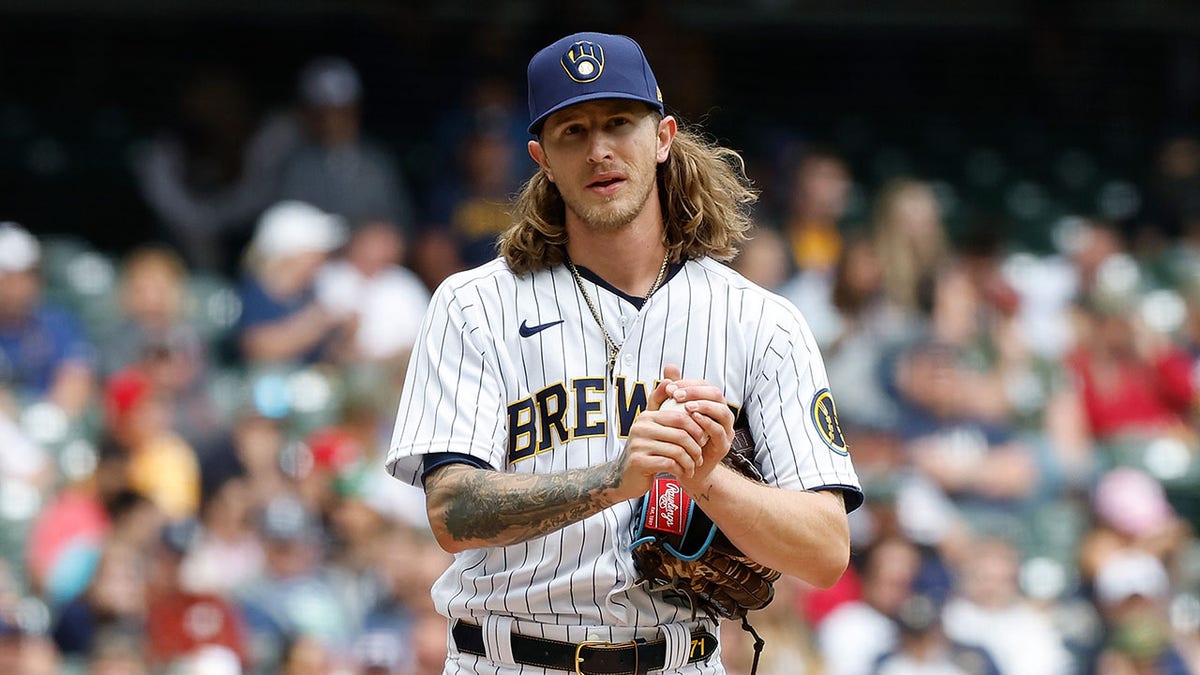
{"type": "Point", "coordinates": [667, 500]}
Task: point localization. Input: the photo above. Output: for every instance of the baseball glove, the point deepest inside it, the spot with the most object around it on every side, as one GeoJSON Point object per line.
{"type": "Point", "coordinates": [678, 549]}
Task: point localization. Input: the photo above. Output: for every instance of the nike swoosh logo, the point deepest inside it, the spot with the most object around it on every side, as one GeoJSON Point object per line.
{"type": "Point", "coordinates": [530, 331]}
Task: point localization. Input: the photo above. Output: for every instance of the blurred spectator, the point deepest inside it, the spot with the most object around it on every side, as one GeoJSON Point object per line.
{"type": "Point", "coordinates": [252, 452]}
{"type": "Point", "coordinates": [133, 519]}
{"type": "Point", "coordinates": [27, 653]}
{"type": "Point", "coordinates": [214, 168]}
{"type": "Point", "coordinates": [1047, 324]}
{"type": "Point", "coordinates": [22, 461]}
{"type": "Point", "coordinates": [306, 655]}
{"type": "Point", "coordinates": [989, 611]}
{"type": "Point", "coordinates": [407, 562]}
{"type": "Point", "coordinates": [378, 653]}
{"type": "Point", "coordinates": [65, 543]}
{"type": "Point", "coordinates": [906, 242]}
{"type": "Point", "coordinates": [982, 253]}
{"type": "Point", "coordinates": [69, 536]}
{"type": "Point", "coordinates": [44, 352]}
{"type": "Point", "coordinates": [387, 300]}
{"type": "Point", "coordinates": [151, 293]}
{"type": "Point", "coordinates": [1045, 288]}
{"type": "Point", "coordinates": [1131, 590]}
{"type": "Point", "coordinates": [110, 480]}
{"type": "Point", "coordinates": [487, 136]}
{"type": "Point", "coordinates": [1132, 379]}
{"type": "Point", "coordinates": [855, 634]}
{"type": "Point", "coordinates": [428, 644]}
{"type": "Point", "coordinates": [858, 277]}
{"type": "Point", "coordinates": [115, 599]}
{"type": "Point", "coordinates": [324, 476]}
{"type": "Point", "coordinates": [911, 239]}
{"type": "Point", "coordinates": [956, 412]}
{"type": "Point", "coordinates": [858, 329]}
{"type": "Point", "coordinates": [764, 260]}
{"type": "Point", "coordinates": [918, 509]}
{"type": "Point", "coordinates": [491, 101]}
{"type": "Point", "coordinates": [227, 553]}
{"type": "Point", "coordinates": [1189, 331]}
{"type": "Point", "coordinates": [359, 443]}
{"type": "Point", "coordinates": [470, 209]}
{"type": "Point", "coordinates": [965, 456]}
{"type": "Point", "coordinates": [1090, 245]}
{"type": "Point", "coordinates": [155, 334]}
{"type": "Point", "coordinates": [353, 528]}
{"type": "Point", "coordinates": [923, 646]}
{"type": "Point", "coordinates": [1131, 512]}
{"type": "Point", "coordinates": [25, 646]}
{"type": "Point", "coordinates": [818, 197]}
{"type": "Point", "coordinates": [118, 652]}
{"type": "Point", "coordinates": [353, 560]}
{"type": "Point", "coordinates": [294, 598]}
{"type": "Point", "coordinates": [208, 660]}
{"type": "Point", "coordinates": [282, 321]}
{"type": "Point", "coordinates": [181, 621]}
{"type": "Point", "coordinates": [395, 502]}
{"type": "Point", "coordinates": [161, 464]}
{"type": "Point", "coordinates": [336, 168]}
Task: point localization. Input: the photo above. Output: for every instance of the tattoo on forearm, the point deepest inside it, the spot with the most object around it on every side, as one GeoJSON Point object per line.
{"type": "Point", "coordinates": [510, 508]}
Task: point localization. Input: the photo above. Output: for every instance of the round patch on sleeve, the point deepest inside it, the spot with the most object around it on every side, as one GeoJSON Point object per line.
{"type": "Point", "coordinates": [824, 417]}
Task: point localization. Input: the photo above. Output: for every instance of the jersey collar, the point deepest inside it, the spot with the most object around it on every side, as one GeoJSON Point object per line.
{"type": "Point", "coordinates": [635, 300]}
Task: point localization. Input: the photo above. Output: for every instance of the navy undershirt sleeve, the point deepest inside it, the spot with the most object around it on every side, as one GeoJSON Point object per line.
{"type": "Point", "coordinates": [436, 459]}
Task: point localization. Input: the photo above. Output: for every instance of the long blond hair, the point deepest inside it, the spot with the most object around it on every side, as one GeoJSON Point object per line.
{"type": "Point", "coordinates": [906, 256]}
{"type": "Point", "coordinates": [702, 187]}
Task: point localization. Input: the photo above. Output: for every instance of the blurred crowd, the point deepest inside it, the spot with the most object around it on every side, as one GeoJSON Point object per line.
{"type": "Point", "coordinates": [192, 432]}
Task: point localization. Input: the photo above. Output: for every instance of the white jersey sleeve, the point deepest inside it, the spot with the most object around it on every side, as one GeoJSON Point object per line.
{"type": "Point", "coordinates": [760, 349]}
{"type": "Point", "coordinates": [791, 411]}
{"type": "Point", "coordinates": [452, 397]}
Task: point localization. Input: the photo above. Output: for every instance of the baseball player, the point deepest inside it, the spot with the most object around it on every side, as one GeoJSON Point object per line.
{"type": "Point", "coordinates": [531, 408]}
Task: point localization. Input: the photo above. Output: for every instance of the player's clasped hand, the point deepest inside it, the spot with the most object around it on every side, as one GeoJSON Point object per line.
{"type": "Point", "coordinates": [686, 441]}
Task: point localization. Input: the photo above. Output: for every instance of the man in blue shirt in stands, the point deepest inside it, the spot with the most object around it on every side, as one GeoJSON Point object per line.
{"type": "Point", "coordinates": [44, 352]}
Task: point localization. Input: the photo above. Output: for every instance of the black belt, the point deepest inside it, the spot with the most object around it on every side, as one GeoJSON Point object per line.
{"type": "Point", "coordinates": [600, 658]}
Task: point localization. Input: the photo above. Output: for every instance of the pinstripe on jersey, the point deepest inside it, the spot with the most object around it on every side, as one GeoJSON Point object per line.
{"type": "Point", "coordinates": [542, 404]}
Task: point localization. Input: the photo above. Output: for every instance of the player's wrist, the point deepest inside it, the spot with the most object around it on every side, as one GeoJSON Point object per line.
{"type": "Point", "coordinates": [619, 482]}
{"type": "Point", "coordinates": [707, 485]}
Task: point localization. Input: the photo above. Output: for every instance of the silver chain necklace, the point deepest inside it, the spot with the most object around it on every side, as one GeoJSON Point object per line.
{"type": "Point", "coordinates": [613, 348]}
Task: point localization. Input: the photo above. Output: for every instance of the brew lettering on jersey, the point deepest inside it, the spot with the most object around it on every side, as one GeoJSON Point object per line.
{"type": "Point", "coordinates": [551, 416]}
{"type": "Point", "coordinates": [558, 413]}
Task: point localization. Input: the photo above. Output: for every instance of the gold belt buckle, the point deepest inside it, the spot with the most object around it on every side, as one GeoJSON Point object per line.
{"type": "Point", "coordinates": [602, 644]}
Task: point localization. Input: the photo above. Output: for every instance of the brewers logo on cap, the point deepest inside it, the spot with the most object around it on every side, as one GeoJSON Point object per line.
{"type": "Point", "coordinates": [584, 61]}
{"type": "Point", "coordinates": [587, 67]}
{"type": "Point", "coordinates": [824, 416]}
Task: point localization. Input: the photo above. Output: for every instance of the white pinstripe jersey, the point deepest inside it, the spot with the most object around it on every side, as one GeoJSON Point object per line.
{"type": "Point", "coordinates": [542, 403]}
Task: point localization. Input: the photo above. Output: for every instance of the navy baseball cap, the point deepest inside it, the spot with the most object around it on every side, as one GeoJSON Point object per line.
{"type": "Point", "coordinates": [587, 66]}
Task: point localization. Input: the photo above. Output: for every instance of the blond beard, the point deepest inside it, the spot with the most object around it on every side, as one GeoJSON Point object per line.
{"type": "Point", "coordinates": [613, 214]}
